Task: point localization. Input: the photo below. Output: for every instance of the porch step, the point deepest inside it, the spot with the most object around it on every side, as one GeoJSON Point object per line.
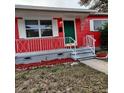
{"type": "Point", "coordinates": [83, 54]}
{"type": "Point", "coordinates": [86, 58]}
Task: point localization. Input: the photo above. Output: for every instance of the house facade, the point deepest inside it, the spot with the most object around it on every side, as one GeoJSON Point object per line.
{"type": "Point", "coordinates": [44, 30]}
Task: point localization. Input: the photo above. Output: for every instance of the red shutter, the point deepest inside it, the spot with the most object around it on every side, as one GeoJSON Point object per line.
{"type": "Point", "coordinates": [16, 29]}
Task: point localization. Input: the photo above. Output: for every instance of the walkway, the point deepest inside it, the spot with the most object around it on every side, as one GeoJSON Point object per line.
{"type": "Point", "coordinates": [97, 64]}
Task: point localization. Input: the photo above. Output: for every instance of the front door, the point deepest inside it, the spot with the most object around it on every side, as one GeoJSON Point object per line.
{"type": "Point", "coordinates": [69, 31]}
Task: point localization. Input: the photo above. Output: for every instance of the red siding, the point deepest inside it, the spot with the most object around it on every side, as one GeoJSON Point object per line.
{"type": "Point", "coordinates": [85, 29]}
{"type": "Point", "coordinates": [41, 44]}
{"type": "Point", "coordinates": [82, 29]}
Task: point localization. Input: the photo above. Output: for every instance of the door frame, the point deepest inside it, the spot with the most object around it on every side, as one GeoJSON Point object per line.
{"type": "Point", "coordinates": [69, 19]}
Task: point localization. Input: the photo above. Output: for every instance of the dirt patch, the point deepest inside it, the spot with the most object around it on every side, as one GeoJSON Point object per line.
{"type": "Point", "coordinates": [62, 78]}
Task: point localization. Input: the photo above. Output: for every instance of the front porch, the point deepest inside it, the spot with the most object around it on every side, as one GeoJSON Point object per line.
{"type": "Point", "coordinates": [37, 50]}
{"type": "Point", "coordinates": [43, 45]}
{"type": "Point", "coordinates": [50, 34]}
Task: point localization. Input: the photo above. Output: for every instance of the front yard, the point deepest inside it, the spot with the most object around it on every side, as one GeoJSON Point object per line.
{"type": "Point", "coordinates": [63, 78]}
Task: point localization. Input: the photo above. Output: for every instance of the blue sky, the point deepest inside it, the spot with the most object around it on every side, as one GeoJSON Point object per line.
{"type": "Point", "coordinates": [52, 3]}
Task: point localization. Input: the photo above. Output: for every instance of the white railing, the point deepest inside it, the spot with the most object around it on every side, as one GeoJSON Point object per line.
{"type": "Point", "coordinates": [73, 47]}
{"type": "Point", "coordinates": [44, 44]}
{"type": "Point", "coordinates": [90, 42]}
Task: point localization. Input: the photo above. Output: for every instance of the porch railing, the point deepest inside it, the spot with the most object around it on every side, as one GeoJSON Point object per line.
{"type": "Point", "coordinates": [90, 42]}
{"type": "Point", "coordinates": [44, 44]}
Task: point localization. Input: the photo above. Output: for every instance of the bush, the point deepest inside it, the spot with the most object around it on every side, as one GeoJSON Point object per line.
{"type": "Point", "coordinates": [104, 36]}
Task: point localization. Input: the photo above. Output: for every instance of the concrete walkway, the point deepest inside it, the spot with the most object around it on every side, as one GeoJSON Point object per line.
{"type": "Point", "coordinates": [97, 64]}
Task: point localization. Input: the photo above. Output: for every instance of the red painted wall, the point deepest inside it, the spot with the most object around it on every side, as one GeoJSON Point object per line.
{"type": "Point", "coordinates": [83, 28]}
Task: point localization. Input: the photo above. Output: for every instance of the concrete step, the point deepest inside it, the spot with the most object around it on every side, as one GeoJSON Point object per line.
{"type": "Point", "coordinates": [87, 55]}
{"type": "Point", "coordinates": [82, 51]}
{"type": "Point", "coordinates": [86, 58]}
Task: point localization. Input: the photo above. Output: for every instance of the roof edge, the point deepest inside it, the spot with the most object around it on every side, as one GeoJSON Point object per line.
{"type": "Point", "coordinates": [54, 8]}
{"type": "Point", "coordinates": [99, 13]}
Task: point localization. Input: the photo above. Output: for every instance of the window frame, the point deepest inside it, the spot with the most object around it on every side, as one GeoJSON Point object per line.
{"type": "Point", "coordinates": [26, 29]}
{"type": "Point", "coordinates": [39, 29]}
{"type": "Point", "coordinates": [92, 24]}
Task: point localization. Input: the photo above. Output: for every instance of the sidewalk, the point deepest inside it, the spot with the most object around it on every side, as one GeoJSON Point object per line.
{"type": "Point", "coordinates": [97, 64]}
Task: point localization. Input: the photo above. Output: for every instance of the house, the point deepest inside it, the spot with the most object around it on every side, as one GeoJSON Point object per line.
{"type": "Point", "coordinates": [47, 33]}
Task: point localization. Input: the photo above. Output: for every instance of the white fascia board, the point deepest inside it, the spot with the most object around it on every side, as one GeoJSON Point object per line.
{"type": "Point", "coordinates": [55, 9]}
{"type": "Point", "coordinates": [98, 13]}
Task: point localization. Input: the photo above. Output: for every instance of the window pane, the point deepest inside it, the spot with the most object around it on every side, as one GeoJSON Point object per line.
{"type": "Point", "coordinates": [104, 22]}
{"type": "Point", "coordinates": [98, 24]}
{"type": "Point", "coordinates": [46, 27]}
{"type": "Point", "coordinates": [32, 29]}
{"type": "Point", "coordinates": [46, 32]}
{"type": "Point", "coordinates": [32, 33]}
{"type": "Point", "coordinates": [31, 24]}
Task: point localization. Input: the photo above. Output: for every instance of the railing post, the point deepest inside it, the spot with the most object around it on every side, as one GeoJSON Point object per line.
{"type": "Point", "coordinates": [75, 49]}
{"type": "Point", "coordinates": [94, 46]}
{"type": "Point", "coordinates": [90, 41]}
{"type": "Point", "coordinates": [70, 42]}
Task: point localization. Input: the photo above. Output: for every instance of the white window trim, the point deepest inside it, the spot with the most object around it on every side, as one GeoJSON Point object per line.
{"type": "Point", "coordinates": [38, 19]}
{"type": "Point", "coordinates": [21, 28]}
{"type": "Point", "coordinates": [55, 30]}
{"type": "Point", "coordinates": [92, 24]}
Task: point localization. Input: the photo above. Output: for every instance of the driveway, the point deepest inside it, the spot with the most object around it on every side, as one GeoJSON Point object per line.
{"type": "Point", "coordinates": [97, 64]}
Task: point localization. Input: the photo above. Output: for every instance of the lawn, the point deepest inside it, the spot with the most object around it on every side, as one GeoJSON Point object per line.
{"type": "Point", "coordinates": [62, 78]}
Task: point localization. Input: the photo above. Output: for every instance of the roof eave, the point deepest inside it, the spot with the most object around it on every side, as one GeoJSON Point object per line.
{"type": "Point", "coordinates": [99, 13]}
{"type": "Point", "coordinates": [55, 9]}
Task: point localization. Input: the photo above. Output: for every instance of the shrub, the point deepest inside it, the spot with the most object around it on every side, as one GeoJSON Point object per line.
{"type": "Point", "coordinates": [104, 36]}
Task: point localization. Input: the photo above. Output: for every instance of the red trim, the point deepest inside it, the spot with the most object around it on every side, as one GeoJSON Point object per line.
{"type": "Point", "coordinates": [16, 29]}
{"type": "Point", "coordinates": [19, 17]}
{"type": "Point", "coordinates": [43, 63]}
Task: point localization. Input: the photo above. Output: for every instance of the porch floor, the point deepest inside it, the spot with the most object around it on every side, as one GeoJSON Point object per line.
{"type": "Point", "coordinates": [33, 57]}
{"type": "Point", "coordinates": [37, 53]}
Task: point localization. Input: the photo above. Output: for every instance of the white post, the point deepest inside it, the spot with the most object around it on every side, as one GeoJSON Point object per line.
{"type": "Point", "coordinates": [75, 48]}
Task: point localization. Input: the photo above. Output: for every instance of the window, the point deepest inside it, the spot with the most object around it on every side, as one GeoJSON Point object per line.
{"type": "Point", "coordinates": [32, 29]}
{"type": "Point", "coordinates": [46, 28]}
{"type": "Point", "coordinates": [38, 28]}
{"type": "Point", "coordinates": [97, 24]}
